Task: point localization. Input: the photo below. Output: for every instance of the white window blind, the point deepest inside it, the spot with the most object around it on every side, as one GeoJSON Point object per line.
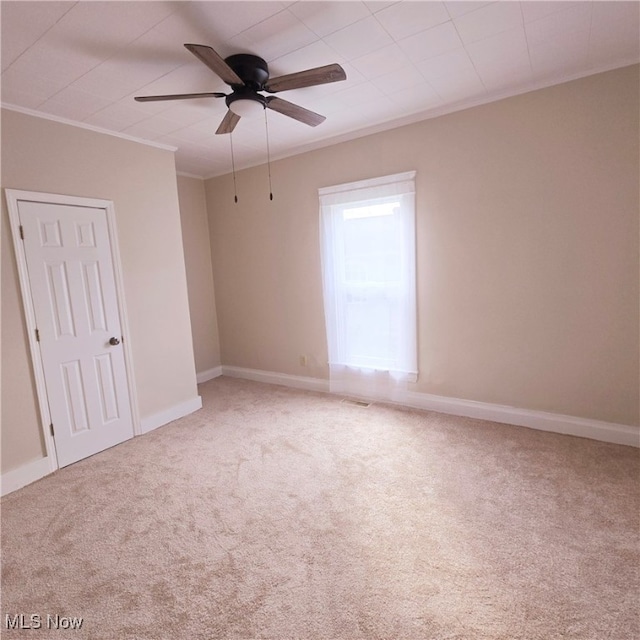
{"type": "Point", "coordinates": [369, 283]}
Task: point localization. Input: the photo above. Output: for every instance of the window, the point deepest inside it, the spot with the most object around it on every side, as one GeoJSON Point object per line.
{"type": "Point", "coordinates": [368, 260]}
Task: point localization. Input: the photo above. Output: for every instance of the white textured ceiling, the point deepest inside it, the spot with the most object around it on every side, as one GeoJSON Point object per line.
{"type": "Point", "coordinates": [85, 61]}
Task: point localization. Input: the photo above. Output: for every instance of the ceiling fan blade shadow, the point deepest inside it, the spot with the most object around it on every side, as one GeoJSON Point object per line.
{"type": "Point", "coordinates": [217, 64]}
{"type": "Point", "coordinates": [180, 96]}
{"type": "Point", "coordinates": [308, 78]}
{"type": "Point", "coordinates": [98, 51]}
{"type": "Point", "coordinates": [295, 111]}
{"type": "Point", "coordinates": [228, 123]}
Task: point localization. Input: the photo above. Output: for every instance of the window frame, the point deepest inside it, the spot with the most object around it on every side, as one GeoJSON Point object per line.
{"type": "Point", "coordinates": [333, 202]}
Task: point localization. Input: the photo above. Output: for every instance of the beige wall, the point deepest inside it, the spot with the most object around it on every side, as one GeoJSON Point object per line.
{"type": "Point", "coordinates": [197, 258]}
{"type": "Point", "coordinates": [527, 222]}
{"type": "Point", "coordinates": [41, 155]}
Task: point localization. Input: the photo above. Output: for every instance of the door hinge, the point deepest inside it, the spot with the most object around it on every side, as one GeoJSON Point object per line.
{"type": "Point", "coordinates": [51, 429]}
{"type": "Point", "coordinates": [21, 232]}
{"type": "Point", "coordinates": [37, 336]}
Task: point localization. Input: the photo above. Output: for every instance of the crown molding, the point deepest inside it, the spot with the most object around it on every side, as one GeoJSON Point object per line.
{"type": "Point", "coordinates": [420, 116]}
{"type": "Point", "coordinates": [184, 174]}
{"type": "Point", "coordinates": [380, 127]}
{"type": "Point", "coordinates": [83, 125]}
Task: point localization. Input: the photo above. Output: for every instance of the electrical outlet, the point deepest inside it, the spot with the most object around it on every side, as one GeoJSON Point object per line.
{"type": "Point", "coordinates": [303, 361]}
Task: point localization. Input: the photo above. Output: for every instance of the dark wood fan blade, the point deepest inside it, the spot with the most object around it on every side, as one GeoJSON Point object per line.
{"type": "Point", "coordinates": [214, 62]}
{"type": "Point", "coordinates": [228, 123]}
{"type": "Point", "coordinates": [294, 111]}
{"type": "Point", "coordinates": [308, 78]}
{"type": "Point", "coordinates": [180, 96]}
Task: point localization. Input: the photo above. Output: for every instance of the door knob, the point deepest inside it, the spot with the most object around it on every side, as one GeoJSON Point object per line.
{"type": "Point", "coordinates": [114, 341]}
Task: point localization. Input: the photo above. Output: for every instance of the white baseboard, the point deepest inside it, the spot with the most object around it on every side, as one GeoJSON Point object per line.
{"type": "Point", "coordinates": [541, 420]}
{"type": "Point", "coordinates": [288, 380]}
{"type": "Point", "coordinates": [24, 475]}
{"type": "Point", "coordinates": [169, 415]}
{"type": "Point", "coordinates": [209, 374]}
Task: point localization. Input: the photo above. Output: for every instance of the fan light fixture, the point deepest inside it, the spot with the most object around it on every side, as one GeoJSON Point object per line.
{"type": "Point", "coordinates": [246, 107]}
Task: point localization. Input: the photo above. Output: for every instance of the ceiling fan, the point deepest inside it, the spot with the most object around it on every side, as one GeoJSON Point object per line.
{"type": "Point", "coordinates": [248, 76]}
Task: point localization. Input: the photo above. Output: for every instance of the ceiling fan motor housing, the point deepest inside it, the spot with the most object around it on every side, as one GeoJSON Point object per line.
{"type": "Point", "coordinates": [253, 70]}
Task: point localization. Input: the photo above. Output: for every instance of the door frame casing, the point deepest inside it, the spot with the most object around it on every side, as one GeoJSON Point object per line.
{"type": "Point", "coordinates": [13, 197]}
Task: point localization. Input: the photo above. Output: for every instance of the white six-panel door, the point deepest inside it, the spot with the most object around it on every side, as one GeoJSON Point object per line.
{"type": "Point", "coordinates": [69, 263]}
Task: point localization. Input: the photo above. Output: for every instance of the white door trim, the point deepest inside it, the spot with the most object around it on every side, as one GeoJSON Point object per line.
{"type": "Point", "coordinates": [13, 196]}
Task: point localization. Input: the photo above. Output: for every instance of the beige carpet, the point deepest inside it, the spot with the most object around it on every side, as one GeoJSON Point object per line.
{"type": "Point", "coordinates": [275, 513]}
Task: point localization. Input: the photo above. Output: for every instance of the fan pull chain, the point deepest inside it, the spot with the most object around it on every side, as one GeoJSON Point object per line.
{"type": "Point", "coordinates": [266, 126]}
{"type": "Point", "coordinates": [233, 168]}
